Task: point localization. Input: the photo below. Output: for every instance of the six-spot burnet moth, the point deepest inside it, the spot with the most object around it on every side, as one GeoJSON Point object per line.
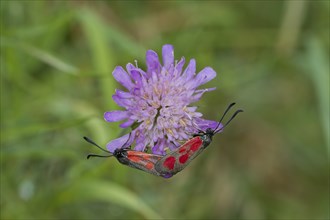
{"type": "Point", "coordinates": [177, 160]}
{"type": "Point", "coordinates": [136, 159]}
{"type": "Point", "coordinates": [174, 162]}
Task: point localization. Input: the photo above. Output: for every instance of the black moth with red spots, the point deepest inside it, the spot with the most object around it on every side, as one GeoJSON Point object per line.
{"type": "Point", "coordinates": [174, 162]}
{"type": "Point", "coordinates": [135, 159]}
{"type": "Point", "coordinates": [181, 157]}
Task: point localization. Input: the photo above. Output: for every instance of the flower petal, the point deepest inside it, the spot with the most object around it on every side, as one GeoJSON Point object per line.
{"type": "Point", "coordinates": [139, 147]}
{"type": "Point", "coordinates": [172, 146]}
{"type": "Point", "coordinates": [204, 76]}
{"type": "Point", "coordinates": [203, 124]}
{"type": "Point", "coordinates": [136, 77]}
{"type": "Point", "coordinates": [127, 123]}
{"type": "Point", "coordinates": [136, 74]}
{"type": "Point", "coordinates": [122, 77]}
{"type": "Point", "coordinates": [190, 70]}
{"type": "Point", "coordinates": [140, 142]}
{"type": "Point", "coordinates": [152, 61]}
{"type": "Point", "coordinates": [168, 55]}
{"type": "Point", "coordinates": [179, 66]}
{"type": "Point", "coordinates": [130, 67]}
{"type": "Point", "coordinates": [120, 142]}
{"type": "Point", "coordinates": [122, 94]}
{"type": "Point", "coordinates": [126, 103]}
{"type": "Point", "coordinates": [115, 116]}
{"type": "Point", "coordinates": [158, 149]}
{"type": "Point", "coordinates": [199, 93]}
{"type": "Point", "coordinates": [195, 97]}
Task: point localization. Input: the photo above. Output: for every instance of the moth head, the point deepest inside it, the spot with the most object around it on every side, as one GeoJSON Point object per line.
{"type": "Point", "coordinates": [210, 132]}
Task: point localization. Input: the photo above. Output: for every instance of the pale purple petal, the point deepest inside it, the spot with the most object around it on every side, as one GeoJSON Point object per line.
{"type": "Point", "coordinates": [152, 61]}
{"type": "Point", "coordinates": [168, 55]}
{"type": "Point", "coordinates": [190, 70]}
{"type": "Point", "coordinates": [172, 146]}
{"type": "Point", "coordinates": [136, 76]}
{"type": "Point", "coordinates": [121, 142]}
{"type": "Point", "coordinates": [139, 147]}
{"type": "Point", "coordinates": [199, 93]}
{"type": "Point", "coordinates": [204, 76]}
{"type": "Point", "coordinates": [205, 90]}
{"type": "Point", "coordinates": [203, 124]}
{"type": "Point", "coordinates": [192, 108]}
{"type": "Point", "coordinates": [127, 123]}
{"type": "Point", "coordinates": [180, 64]}
{"type": "Point", "coordinates": [130, 67]}
{"type": "Point", "coordinates": [140, 142]}
{"type": "Point", "coordinates": [197, 114]}
{"type": "Point", "coordinates": [155, 148]}
{"type": "Point", "coordinates": [196, 97]}
{"type": "Point", "coordinates": [122, 94]}
{"type": "Point", "coordinates": [115, 116]}
{"type": "Point", "coordinates": [122, 102]}
{"type": "Point", "coordinates": [122, 77]}
{"type": "Point", "coordinates": [159, 148]}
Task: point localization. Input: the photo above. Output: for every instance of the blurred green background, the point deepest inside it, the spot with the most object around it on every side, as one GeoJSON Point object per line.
{"type": "Point", "coordinates": [272, 58]}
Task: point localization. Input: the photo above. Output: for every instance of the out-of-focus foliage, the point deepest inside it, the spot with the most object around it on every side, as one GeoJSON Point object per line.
{"type": "Point", "coordinates": [272, 58]}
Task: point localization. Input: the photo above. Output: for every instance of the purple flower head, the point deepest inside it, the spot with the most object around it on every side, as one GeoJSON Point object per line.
{"type": "Point", "coordinates": [158, 102]}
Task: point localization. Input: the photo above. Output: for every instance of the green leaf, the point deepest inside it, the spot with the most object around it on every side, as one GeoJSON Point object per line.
{"type": "Point", "coordinates": [41, 55]}
{"type": "Point", "coordinates": [50, 59]}
{"type": "Point", "coordinates": [10, 134]}
{"type": "Point", "coordinates": [108, 192]}
{"type": "Point", "coordinates": [318, 70]}
{"type": "Point", "coordinates": [101, 52]}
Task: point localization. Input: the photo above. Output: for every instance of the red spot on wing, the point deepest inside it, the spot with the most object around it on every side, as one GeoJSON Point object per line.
{"type": "Point", "coordinates": [196, 144]}
{"type": "Point", "coordinates": [183, 158]}
{"type": "Point", "coordinates": [187, 146]}
{"type": "Point", "coordinates": [149, 166]}
{"type": "Point", "coordinates": [182, 149]}
{"type": "Point", "coordinates": [144, 159]}
{"type": "Point", "coordinates": [134, 158]}
{"type": "Point", "coordinates": [136, 153]}
{"type": "Point", "coordinates": [169, 162]}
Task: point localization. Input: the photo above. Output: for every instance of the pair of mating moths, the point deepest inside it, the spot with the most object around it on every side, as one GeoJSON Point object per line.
{"type": "Point", "coordinates": [172, 163]}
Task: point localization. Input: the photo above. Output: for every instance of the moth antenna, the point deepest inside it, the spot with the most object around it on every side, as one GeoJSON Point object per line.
{"type": "Point", "coordinates": [96, 145]}
{"type": "Point", "coordinates": [232, 117]}
{"type": "Point", "coordinates": [96, 155]}
{"type": "Point", "coordinates": [223, 115]}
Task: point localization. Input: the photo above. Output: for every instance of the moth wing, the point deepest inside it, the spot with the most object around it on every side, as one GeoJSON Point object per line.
{"type": "Point", "coordinates": [177, 160]}
{"type": "Point", "coordinates": [143, 161]}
